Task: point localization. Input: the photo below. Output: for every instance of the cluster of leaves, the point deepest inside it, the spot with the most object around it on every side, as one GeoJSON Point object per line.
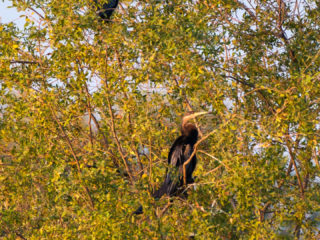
{"type": "Point", "coordinates": [88, 110]}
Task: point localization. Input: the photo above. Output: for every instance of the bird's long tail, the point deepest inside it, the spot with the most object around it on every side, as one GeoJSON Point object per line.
{"type": "Point", "coordinates": [169, 187]}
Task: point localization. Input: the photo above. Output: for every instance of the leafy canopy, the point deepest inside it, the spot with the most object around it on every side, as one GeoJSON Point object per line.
{"type": "Point", "coordinates": [89, 109]}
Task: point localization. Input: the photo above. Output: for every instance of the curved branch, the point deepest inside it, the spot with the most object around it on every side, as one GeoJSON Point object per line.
{"type": "Point", "coordinates": [196, 146]}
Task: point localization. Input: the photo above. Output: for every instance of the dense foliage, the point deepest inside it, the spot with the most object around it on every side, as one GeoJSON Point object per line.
{"type": "Point", "coordinates": [88, 111]}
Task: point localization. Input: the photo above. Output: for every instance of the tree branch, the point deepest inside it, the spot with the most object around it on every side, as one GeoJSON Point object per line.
{"type": "Point", "coordinates": [118, 142]}
{"type": "Point", "coordinates": [295, 167]}
{"type": "Point", "coordinates": [40, 15]}
{"type": "Point", "coordinates": [23, 62]}
{"type": "Point", "coordinates": [246, 8]}
{"type": "Point", "coordinates": [73, 154]}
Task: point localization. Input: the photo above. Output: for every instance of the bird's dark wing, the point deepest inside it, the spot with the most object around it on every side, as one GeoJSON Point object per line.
{"type": "Point", "coordinates": [176, 152]}
{"type": "Point", "coordinates": [105, 11]}
{"type": "Point", "coordinates": [173, 176]}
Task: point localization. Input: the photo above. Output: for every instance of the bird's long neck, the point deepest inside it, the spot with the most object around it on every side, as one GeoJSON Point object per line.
{"type": "Point", "coordinates": [190, 132]}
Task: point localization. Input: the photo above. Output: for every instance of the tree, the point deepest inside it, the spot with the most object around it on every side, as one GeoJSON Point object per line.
{"type": "Point", "coordinates": [89, 111]}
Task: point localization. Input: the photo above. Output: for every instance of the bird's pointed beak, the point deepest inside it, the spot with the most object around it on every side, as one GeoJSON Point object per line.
{"type": "Point", "coordinates": [193, 115]}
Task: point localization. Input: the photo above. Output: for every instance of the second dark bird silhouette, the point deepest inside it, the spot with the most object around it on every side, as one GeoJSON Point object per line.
{"type": "Point", "coordinates": [180, 152]}
{"type": "Point", "coordinates": [105, 10]}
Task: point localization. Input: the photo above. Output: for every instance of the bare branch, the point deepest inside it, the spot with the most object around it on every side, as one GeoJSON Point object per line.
{"type": "Point", "coordinates": [292, 160]}
{"type": "Point", "coordinates": [23, 62]}
{"type": "Point", "coordinates": [115, 136]}
{"type": "Point", "coordinates": [73, 154]}
{"type": "Point", "coordinates": [40, 15]}
{"type": "Point", "coordinates": [216, 159]}
{"type": "Point", "coordinates": [246, 8]}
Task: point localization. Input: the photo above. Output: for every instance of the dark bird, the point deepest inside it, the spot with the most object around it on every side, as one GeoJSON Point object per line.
{"type": "Point", "coordinates": [105, 10]}
{"type": "Point", "coordinates": [180, 152]}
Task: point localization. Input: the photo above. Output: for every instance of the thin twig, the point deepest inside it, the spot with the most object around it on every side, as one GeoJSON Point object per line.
{"type": "Point", "coordinates": [40, 15]}
{"type": "Point", "coordinates": [262, 211]}
{"type": "Point", "coordinates": [23, 62]}
{"type": "Point", "coordinates": [295, 167]}
{"type": "Point", "coordinates": [20, 236]}
{"type": "Point", "coordinates": [73, 154]}
{"type": "Point", "coordinates": [216, 159]}
{"type": "Point", "coordinates": [115, 136]}
{"type": "Point", "coordinates": [213, 170]}
{"type": "Point", "coordinates": [315, 157]}
{"type": "Point", "coordinates": [165, 209]}
{"type": "Point", "coordinates": [246, 8]}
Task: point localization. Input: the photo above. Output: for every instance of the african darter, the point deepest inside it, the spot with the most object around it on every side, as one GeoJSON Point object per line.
{"type": "Point", "coordinates": [180, 152]}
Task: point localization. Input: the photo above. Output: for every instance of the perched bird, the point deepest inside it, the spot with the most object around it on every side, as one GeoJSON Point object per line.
{"type": "Point", "coordinates": [180, 152]}
{"type": "Point", "coordinates": [106, 9]}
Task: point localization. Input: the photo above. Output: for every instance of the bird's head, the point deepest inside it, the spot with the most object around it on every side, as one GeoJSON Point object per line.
{"type": "Point", "coordinates": [188, 128]}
